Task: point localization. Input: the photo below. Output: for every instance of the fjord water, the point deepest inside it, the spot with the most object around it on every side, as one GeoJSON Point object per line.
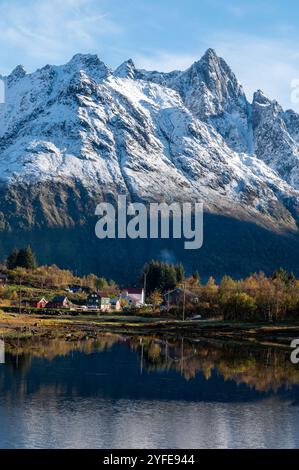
{"type": "Point", "coordinates": [121, 392]}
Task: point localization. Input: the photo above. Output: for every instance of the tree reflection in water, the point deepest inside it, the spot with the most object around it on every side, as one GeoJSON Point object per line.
{"type": "Point", "coordinates": [261, 368]}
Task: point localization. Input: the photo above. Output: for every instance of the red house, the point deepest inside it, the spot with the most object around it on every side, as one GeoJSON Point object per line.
{"type": "Point", "coordinates": [39, 303]}
{"type": "Point", "coordinates": [59, 302]}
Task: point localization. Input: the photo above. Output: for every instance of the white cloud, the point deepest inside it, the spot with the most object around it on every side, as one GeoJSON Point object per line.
{"type": "Point", "coordinates": [238, 10]}
{"type": "Point", "coordinates": [53, 30]}
{"type": "Point", "coordinates": [165, 61]}
{"type": "Point", "coordinates": [37, 32]}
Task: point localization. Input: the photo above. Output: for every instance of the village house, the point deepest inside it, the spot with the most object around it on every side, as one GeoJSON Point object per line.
{"type": "Point", "coordinates": [98, 301]}
{"type": "Point", "coordinates": [38, 303]}
{"type": "Point", "coordinates": [133, 295]}
{"type": "Point", "coordinates": [115, 304]}
{"type": "Point", "coordinates": [176, 297]}
{"type": "Point", "coordinates": [59, 302]}
{"type": "Point", "coordinates": [93, 301]}
{"type": "Point", "coordinates": [76, 288]}
{"type": "Point", "coordinates": [3, 280]}
{"type": "Point", "coordinates": [104, 302]}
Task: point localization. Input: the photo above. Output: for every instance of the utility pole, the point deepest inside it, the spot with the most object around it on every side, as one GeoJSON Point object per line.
{"type": "Point", "coordinates": [182, 355]}
{"type": "Point", "coordinates": [20, 296]}
{"type": "Point", "coordinates": [141, 358]}
{"type": "Point", "coordinates": [184, 301]}
{"type": "Point", "coordinates": [17, 358]}
{"type": "Point", "coordinates": [144, 285]}
{"type": "Point", "coordinates": [166, 351]}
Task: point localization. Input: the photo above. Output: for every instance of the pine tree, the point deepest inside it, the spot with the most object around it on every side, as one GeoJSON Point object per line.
{"type": "Point", "coordinates": [180, 273]}
{"type": "Point", "coordinates": [26, 258]}
{"type": "Point", "coordinates": [160, 276]}
{"type": "Point", "coordinates": [284, 276]}
{"type": "Point", "coordinates": [196, 277]}
{"type": "Point", "coordinates": [12, 259]}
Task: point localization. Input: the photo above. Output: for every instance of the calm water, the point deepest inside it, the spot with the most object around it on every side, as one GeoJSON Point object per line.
{"type": "Point", "coordinates": [117, 392]}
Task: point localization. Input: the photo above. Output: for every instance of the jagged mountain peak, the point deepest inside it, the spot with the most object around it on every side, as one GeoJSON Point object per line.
{"type": "Point", "coordinates": [209, 61]}
{"type": "Point", "coordinates": [179, 134]}
{"type": "Point", "coordinates": [74, 135]}
{"type": "Point", "coordinates": [263, 107]}
{"type": "Point", "coordinates": [17, 74]}
{"type": "Point", "coordinates": [260, 98]}
{"type": "Point", "coordinates": [212, 92]}
{"type": "Point", "coordinates": [90, 64]}
{"type": "Point", "coordinates": [126, 70]}
{"type": "Point", "coordinates": [214, 71]}
{"type": "Point", "coordinates": [276, 137]}
{"type": "Point", "coordinates": [87, 59]}
{"type": "Point", "coordinates": [291, 119]}
{"type": "Point", "coordinates": [210, 55]}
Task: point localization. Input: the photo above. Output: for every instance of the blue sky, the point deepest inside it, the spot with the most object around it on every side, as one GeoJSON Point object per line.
{"type": "Point", "coordinates": [258, 39]}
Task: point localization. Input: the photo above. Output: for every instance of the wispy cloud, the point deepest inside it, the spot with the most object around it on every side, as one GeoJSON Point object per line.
{"type": "Point", "coordinates": [51, 30]}
{"type": "Point", "coordinates": [165, 61]}
{"type": "Point", "coordinates": [235, 8]}
{"type": "Point", "coordinates": [255, 38]}
{"type": "Point", "coordinates": [243, 8]}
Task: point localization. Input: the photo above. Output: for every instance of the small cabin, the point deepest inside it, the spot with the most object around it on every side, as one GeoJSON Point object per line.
{"type": "Point", "coordinates": [115, 304]}
{"type": "Point", "coordinates": [93, 301]}
{"type": "Point", "coordinates": [133, 295]}
{"type": "Point", "coordinates": [98, 301]}
{"type": "Point", "coordinates": [59, 302]}
{"type": "Point", "coordinates": [176, 297]}
{"type": "Point", "coordinates": [74, 289]}
{"type": "Point", "coordinates": [3, 280]}
{"type": "Point", "coordinates": [38, 303]}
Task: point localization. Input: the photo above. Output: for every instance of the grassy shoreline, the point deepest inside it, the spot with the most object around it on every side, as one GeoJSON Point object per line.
{"type": "Point", "coordinates": [280, 334]}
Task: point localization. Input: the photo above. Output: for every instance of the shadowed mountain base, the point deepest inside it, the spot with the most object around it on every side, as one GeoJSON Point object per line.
{"type": "Point", "coordinates": [230, 247]}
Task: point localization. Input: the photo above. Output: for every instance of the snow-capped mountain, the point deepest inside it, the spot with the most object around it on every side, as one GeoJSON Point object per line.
{"type": "Point", "coordinates": [181, 135]}
{"type": "Point", "coordinates": [211, 91]}
{"type": "Point", "coordinates": [75, 134]}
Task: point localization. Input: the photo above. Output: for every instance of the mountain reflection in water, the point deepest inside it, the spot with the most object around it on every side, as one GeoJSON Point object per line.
{"type": "Point", "coordinates": [121, 391]}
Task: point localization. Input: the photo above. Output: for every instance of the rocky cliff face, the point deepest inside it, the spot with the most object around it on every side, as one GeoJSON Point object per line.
{"type": "Point", "coordinates": [73, 135]}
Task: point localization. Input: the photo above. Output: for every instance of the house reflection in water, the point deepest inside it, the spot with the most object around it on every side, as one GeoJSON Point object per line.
{"type": "Point", "coordinates": [2, 352]}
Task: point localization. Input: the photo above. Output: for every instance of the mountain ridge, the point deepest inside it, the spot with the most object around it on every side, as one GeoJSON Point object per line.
{"type": "Point", "coordinates": [74, 135]}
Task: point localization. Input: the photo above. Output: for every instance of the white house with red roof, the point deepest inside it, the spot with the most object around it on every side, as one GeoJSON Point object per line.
{"type": "Point", "coordinates": [133, 295]}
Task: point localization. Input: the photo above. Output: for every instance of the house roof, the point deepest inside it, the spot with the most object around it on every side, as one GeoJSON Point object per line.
{"type": "Point", "coordinates": [102, 294]}
{"type": "Point", "coordinates": [134, 290]}
{"type": "Point", "coordinates": [59, 298]}
{"type": "Point", "coordinates": [178, 290]}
